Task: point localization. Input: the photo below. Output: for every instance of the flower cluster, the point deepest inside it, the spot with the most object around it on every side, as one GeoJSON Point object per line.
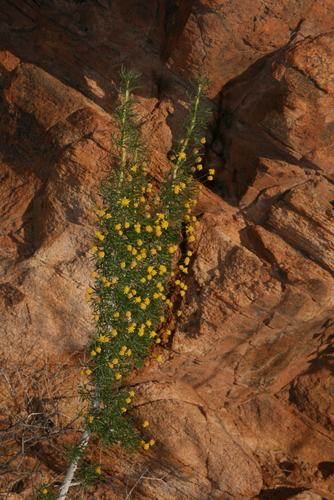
{"type": "Point", "coordinates": [136, 256]}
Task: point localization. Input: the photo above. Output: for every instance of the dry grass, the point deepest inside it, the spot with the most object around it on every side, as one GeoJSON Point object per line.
{"type": "Point", "coordinates": [38, 413]}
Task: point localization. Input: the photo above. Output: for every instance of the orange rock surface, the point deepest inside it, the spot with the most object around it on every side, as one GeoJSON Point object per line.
{"type": "Point", "coordinates": [242, 405]}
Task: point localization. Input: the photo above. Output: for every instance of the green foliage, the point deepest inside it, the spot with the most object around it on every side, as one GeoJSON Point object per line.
{"type": "Point", "coordinates": [140, 227]}
{"type": "Point", "coordinates": [136, 257]}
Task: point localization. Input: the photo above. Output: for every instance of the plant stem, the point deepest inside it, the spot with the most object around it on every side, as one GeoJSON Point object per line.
{"type": "Point", "coordinates": [123, 131]}
{"type": "Point", "coordinates": [67, 482]}
{"type": "Point", "coordinates": [189, 130]}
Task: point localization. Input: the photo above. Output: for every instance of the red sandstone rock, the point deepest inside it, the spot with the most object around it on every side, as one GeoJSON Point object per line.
{"type": "Point", "coordinates": [243, 397]}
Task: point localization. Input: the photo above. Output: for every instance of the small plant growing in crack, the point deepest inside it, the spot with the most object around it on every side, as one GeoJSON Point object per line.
{"type": "Point", "coordinates": [136, 258]}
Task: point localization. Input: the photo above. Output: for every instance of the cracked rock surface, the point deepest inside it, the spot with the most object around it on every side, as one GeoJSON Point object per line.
{"type": "Point", "coordinates": [242, 406]}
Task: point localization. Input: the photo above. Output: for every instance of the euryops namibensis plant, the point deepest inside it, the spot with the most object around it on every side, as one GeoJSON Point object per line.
{"type": "Point", "coordinates": [137, 264]}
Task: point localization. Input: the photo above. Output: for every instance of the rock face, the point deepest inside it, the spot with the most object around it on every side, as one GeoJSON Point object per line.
{"type": "Point", "coordinates": [242, 406]}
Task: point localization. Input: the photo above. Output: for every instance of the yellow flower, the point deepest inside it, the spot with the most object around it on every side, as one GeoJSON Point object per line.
{"type": "Point", "coordinates": [118, 227]}
{"type": "Point", "coordinates": [145, 423]}
{"type": "Point", "coordinates": [203, 140]}
{"type": "Point", "coordinates": [124, 409]}
{"type": "Point", "coordinates": [210, 178]}
{"type": "Point", "coordinates": [153, 251]}
{"type": "Point", "coordinates": [116, 314]}
{"type": "Point", "coordinates": [182, 156]}
{"type": "Point", "coordinates": [128, 400]}
{"type": "Point", "coordinates": [44, 491]}
{"type": "Point", "coordinates": [93, 274]}
{"type": "Point", "coordinates": [134, 168]}
{"type": "Point", "coordinates": [143, 306]}
{"type": "Point", "coordinates": [107, 283]}
{"type": "Point", "coordinates": [96, 317]}
{"type": "Point", "coordinates": [160, 216]}
{"type": "Point", "coordinates": [108, 216]}
{"type": "Point", "coordinates": [101, 213]}
{"type": "Point", "coordinates": [93, 353]}
{"type": "Point", "coordinates": [153, 334]}
{"type": "Point", "coordinates": [126, 225]}
{"type": "Point", "coordinates": [114, 280]}
{"type": "Point", "coordinates": [146, 446]}
{"type": "Point", "coordinates": [165, 224]}
{"type": "Point", "coordinates": [140, 332]}
{"type": "Point", "coordinates": [191, 238]}
{"type": "Point", "coordinates": [114, 361]}
{"type": "Point", "coordinates": [158, 341]}
{"type": "Point", "coordinates": [168, 332]}
{"type": "Point", "coordinates": [131, 329]}
{"type": "Point", "coordinates": [162, 319]}
{"type": "Point", "coordinates": [98, 349]}
{"type": "Point", "coordinates": [129, 352]}
{"type": "Point", "coordinates": [124, 202]}
{"type": "Point", "coordinates": [101, 255]}
{"type": "Point", "coordinates": [186, 261]}
{"type": "Point", "coordinates": [133, 264]}
{"type": "Point", "coordinates": [142, 198]}
{"type": "Point", "coordinates": [122, 264]}
{"type": "Point", "coordinates": [151, 442]}
{"type": "Point", "coordinates": [134, 251]}
{"type": "Point", "coordinates": [178, 313]}
{"type": "Point", "coordinates": [149, 229]}
{"type": "Point", "coordinates": [212, 171]}
{"type": "Point", "coordinates": [162, 269]}
{"type": "Point", "coordinates": [190, 229]}
{"type": "Point", "coordinates": [137, 300]}
{"type": "Point", "coordinates": [89, 290]}
{"type": "Point", "coordinates": [88, 371]}
{"type": "Point", "coordinates": [159, 358]}
{"type": "Point", "coordinates": [129, 247]}
{"type": "Point", "coordinates": [114, 332]}
{"type": "Point", "coordinates": [182, 185]}
{"type": "Point", "coordinates": [131, 394]}
{"type": "Point", "coordinates": [176, 189]}
{"type": "Point", "coordinates": [91, 419]}
{"type": "Point", "coordinates": [118, 376]}
{"type": "Point", "coordinates": [98, 470]}
{"type": "Point", "coordinates": [137, 227]}
{"type": "Point", "coordinates": [198, 159]}
{"type": "Point", "coordinates": [199, 167]}
{"type": "Point", "coordinates": [182, 293]}
{"type": "Point", "coordinates": [128, 314]}
{"type": "Point", "coordinates": [139, 242]}
{"type": "Point", "coordinates": [172, 249]}
{"type": "Point", "coordinates": [94, 248]}
{"type": "Point", "coordinates": [189, 253]}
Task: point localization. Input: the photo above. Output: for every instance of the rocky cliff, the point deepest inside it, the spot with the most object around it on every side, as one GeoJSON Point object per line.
{"type": "Point", "coordinates": [242, 407]}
